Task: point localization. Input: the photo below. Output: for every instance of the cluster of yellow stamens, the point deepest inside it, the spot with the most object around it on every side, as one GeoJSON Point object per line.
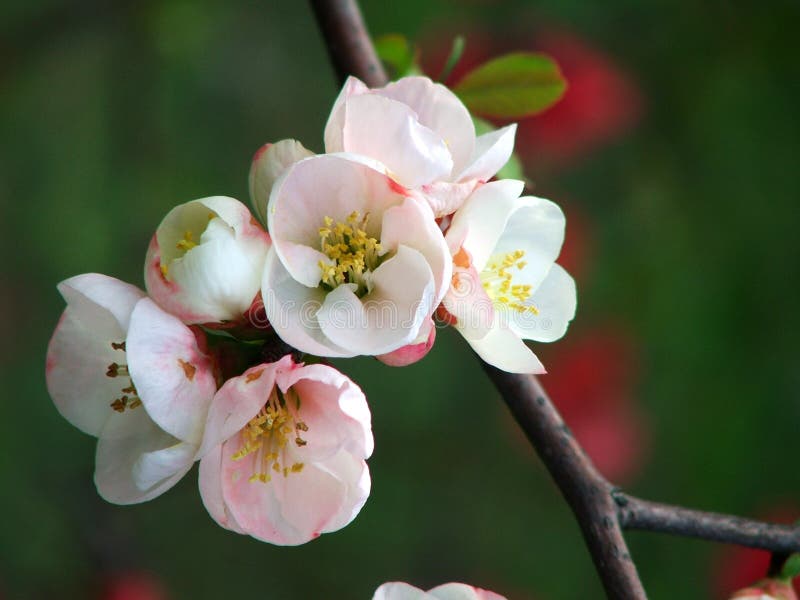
{"type": "Point", "coordinates": [129, 399]}
{"type": "Point", "coordinates": [268, 433]}
{"type": "Point", "coordinates": [497, 280]}
{"type": "Point", "coordinates": [352, 251]}
{"type": "Point", "coordinates": [185, 244]}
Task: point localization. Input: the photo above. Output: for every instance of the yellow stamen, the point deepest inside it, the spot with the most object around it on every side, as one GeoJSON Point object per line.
{"type": "Point", "coordinates": [187, 243]}
{"type": "Point", "coordinates": [352, 251]}
{"type": "Point", "coordinates": [500, 287]}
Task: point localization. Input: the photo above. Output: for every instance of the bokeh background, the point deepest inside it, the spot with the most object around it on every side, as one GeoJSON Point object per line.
{"type": "Point", "coordinates": [675, 156]}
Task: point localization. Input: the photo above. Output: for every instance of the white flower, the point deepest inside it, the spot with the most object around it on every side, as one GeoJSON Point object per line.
{"type": "Point", "coordinates": [506, 286]}
{"type": "Point", "coordinates": [121, 369]}
{"type": "Point", "coordinates": [358, 263]}
{"type": "Point", "coordinates": [422, 133]}
{"type": "Point", "coordinates": [397, 590]}
{"type": "Point", "coordinates": [205, 261]}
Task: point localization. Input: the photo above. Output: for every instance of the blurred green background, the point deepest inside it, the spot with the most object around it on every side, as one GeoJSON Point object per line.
{"type": "Point", "coordinates": [684, 245]}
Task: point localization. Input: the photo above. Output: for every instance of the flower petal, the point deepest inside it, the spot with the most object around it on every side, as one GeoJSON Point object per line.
{"type": "Point", "coordinates": [335, 125]}
{"type": "Point", "coordinates": [269, 163]}
{"type": "Point", "coordinates": [413, 352]}
{"type": "Point", "coordinates": [536, 226]}
{"type": "Point", "coordinates": [398, 590]}
{"type": "Point", "coordinates": [210, 483]}
{"type": "Point", "coordinates": [556, 301]}
{"type": "Point", "coordinates": [389, 132]}
{"type": "Point", "coordinates": [391, 315]}
{"type": "Point", "coordinates": [330, 185]}
{"type": "Point", "coordinates": [80, 351]}
{"type": "Point", "coordinates": [239, 400]}
{"type": "Point", "coordinates": [412, 224]}
{"type": "Point", "coordinates": [462, 591]}
{"type": "Point", "coordinates": [173, 378]}
{"type": "Point", "coordinates": [292, 310]}
{"type": "Point", "coordinates": [482, 219]}
{"type": "Point", "coordinates": [439, 109]}
{"type": "Point", "coordinates": [445, 197]}
{"type": "Point", "coordinates": [136, 460]}
{"type": "Point", "coordinates": [502, 348]}
{"type": "Point", "coordinates": [492, 151]}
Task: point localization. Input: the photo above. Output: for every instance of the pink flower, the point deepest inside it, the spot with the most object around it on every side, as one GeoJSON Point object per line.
{"type": "Point", "coordinates": [284, 452]}
{"type": "Point", "coordinates": [422, 133]}
{"type": "Point", "coordinates": [506, 287]}
{"type": "Point", "coordinates": [205, 261]}
{"type": "Point", "coordinates": [121, 369]}
{"type": "Point", "coordinates": [358, 263]}
{"type": "Point", "coordinates": [449, 591]}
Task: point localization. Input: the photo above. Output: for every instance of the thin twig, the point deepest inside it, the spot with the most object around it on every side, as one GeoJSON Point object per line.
{"type": "Point", "coordinates": [635, 513]}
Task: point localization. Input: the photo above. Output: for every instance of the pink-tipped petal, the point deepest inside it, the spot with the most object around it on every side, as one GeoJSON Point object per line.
{"type": "Point", "coordinates": [414, 352]}
{"type": "Point", "coordinates": [269, 163]}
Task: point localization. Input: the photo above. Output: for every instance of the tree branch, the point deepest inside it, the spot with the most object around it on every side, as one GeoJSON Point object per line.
{"type": "Point", "coordinates": [602, 510]}
{"type": "Point", "coordinates": [348, 41]}
{"type": "Point", "coordinates": [584, 489]}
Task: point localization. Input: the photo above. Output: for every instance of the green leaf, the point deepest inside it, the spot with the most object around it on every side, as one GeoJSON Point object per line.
{"type": "Point", "coordinates": [512, 86]}
{"type": "Point", "coordinates": [455, 55]}
{"type": "Point", "coordinates": [791, 568]}
{"type": "Point", "coordinates": [397, 53]}
{"type": "Point", "coordinates": [513, 168]}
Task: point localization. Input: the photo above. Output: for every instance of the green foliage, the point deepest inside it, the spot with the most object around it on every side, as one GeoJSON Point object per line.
{"type": "Point", "coordinates": [791, 568]}
{"type": "Point", "coordinates": [398, 54]}
{"type": "Point", "coordinates": [457, 49]}
{"type": "Point", "coordinates": [515, 85]}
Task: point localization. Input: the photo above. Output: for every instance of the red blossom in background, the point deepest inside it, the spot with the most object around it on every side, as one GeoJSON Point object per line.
{"type": "Point", "coordinates": [133, 586]}
{"type": "Point", "coordinates": [592, 378]}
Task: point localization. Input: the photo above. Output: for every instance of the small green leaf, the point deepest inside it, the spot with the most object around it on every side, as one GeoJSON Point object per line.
{"type": "Point", "coordinates": [455, 55]}
{"type": "Point", "coordinates": [513, 168]}
{"type": "Point", "coordinates": [512, 86]}
{"type": "Point", "coordinates": [791, 568]}
{"type": "Point", "coordinates": [397, 53]}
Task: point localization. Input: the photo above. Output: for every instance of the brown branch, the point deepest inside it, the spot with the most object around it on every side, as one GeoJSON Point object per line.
{"type": "Point", "coordinates": [348, 41]}
{"type": "Point", "coordinates": [602, 511]}
{"type": "Point", "coordinates": [635, 513]}
{"type": "Point", "coordinates": [585, 490]}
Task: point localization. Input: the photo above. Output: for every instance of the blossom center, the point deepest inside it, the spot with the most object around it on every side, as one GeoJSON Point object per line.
{"type": "Point", "coordinates": [268, 434]}
{"type": "Point", "coordinates": [129, 398]}
{"type": "Point", "coordinates": [353, 253]}
{"type": "Point", "coordinates": [498, 280]}
{"type": "Point", "coordinates": [194, 235]}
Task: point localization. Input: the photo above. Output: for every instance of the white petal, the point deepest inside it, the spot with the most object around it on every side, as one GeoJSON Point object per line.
{"type": "Point", "coordinates": [467, 301]}
{"type": "Point", "coordinates": [482, 219]}
{"type": "Point", "coordinates": [330, 185]}
{"type": "Point", "coordinates": [292, 309]}
{"type": "Point", "coordinates": [536, 226]}
{"type": "Point", "coordinates": [335, 125]}
{"type": "Point", "coordinates": [136, 460]}
{"type": "Point", "coordinates": [269, 163]}
{"type": "Point", "coordinates": [173, 378]}
{"type": "Point", "coordinates": [80, 351]}
{"type": "Point", "coordinates": [412, 224]}
{"type": "Point", "coordinates": [440, 110]}
{"type": "Point", "coordinates": [87, 293]}
{"type": "Point", "coordinates": [389, 132]}
{"type": "Point", "coordinates": [556, 300]}
{"type": "Point", "coordinates": [492, 151]}
{"type": "Point", "coordinates": [390, 316]}
{"type": "Point", "coordinates": [461, 591]}
{"type": "Point", "coordinates": [398, 590]}
{"type": "Point", "coordinates": [502, 348]}
{"type": "Point", "coordinates": [445, 197]}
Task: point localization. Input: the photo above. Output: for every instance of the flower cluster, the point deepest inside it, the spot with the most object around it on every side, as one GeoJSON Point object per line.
{"type": "Point", "coordinates": [221, 361]}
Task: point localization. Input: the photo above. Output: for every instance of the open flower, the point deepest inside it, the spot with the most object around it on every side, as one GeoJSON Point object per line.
{"type": "Point", "coordinates": [398, 590]}
{"type": "Point", "coordinates": [205, 260]}
{"type": "Point", "coordinates": [358, 262]}
{"type": "Point", "coordinates": [423, 134]}
{"type": "Point", "coordinates": [505, 285]}
{"type": "Point", "coordinates": [121, 369]}
{"type": "Point", "coordinates": [284, 452]}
